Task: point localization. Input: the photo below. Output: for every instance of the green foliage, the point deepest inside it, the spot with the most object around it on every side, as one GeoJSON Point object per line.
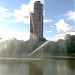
{"type": "Point", "coordinates": [42, 39]}
{"type": "Point", "coordinates": [17, 48]}
{"type": "Point", "coordinates": [70, 43]}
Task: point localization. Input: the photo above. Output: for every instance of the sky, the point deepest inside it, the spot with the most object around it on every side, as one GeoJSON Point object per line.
{"type": "Point", "coordinates": [59, 18]}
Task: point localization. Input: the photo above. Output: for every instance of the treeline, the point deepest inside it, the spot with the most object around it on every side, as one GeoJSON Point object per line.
{"type": "Point", "coordinates": [17, 48]}
{"type": "Point", "coordinates": [61, 47]}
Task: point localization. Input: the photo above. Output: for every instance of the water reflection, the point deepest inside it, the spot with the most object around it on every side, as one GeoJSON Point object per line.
{"type": "Point", "coordinates": [71, 64]}
{"type": "Point", "coordinates": [14, 68]}
{"type": "Point", "coordinates": [59, 67]}
{"type": "Point", "coordinates": [36, 67]}
{"type": "Point", "coordinates": [39, 67]}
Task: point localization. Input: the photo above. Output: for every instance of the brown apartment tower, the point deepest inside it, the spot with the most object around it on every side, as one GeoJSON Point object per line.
{"type": "Point", "coordinates": [36, 21]}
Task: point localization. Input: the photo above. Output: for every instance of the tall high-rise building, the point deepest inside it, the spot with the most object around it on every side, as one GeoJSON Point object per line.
{"type": "Point", "coordinates": [36, 21]}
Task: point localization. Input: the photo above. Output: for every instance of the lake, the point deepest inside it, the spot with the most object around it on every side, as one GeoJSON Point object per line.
{"type": "Point", "coordinates": [63, 66]}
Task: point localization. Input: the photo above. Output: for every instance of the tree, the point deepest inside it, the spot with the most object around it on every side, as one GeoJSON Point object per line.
{"type": "Point", "coordinates": [70, 43]}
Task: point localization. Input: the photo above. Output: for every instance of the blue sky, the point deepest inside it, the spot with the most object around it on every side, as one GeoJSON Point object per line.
{"type": "Point", "coordinates": [59, 18]}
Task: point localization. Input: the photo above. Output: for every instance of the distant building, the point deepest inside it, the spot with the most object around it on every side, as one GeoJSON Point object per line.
{"type": "Point", "coordinates": [36, 21]}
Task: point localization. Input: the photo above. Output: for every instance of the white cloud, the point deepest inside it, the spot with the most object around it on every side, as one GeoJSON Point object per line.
{"type": "Point", "coordinates": [24, 13]}
{"type": "Point", "coordinates": [62, 26]}
{"type": "Point", "coordinates": [71, 33]}
{"type": "Point", "coordinates": [47, 20]}
{"type": "Point", "coordinates": [3, 14]}
{"type": "Point", "coordinates": [2, 20]}
{"type": "Point", "coordinates": [56, 37]}
{"type": "Point", "coordinates": [42, 1]}
{"type": "Point", "coordinates": [6, 34]}
{"type": "Point", "coordinates": [20, 15]}
{"type": "Point", "coordinates": [43, 12]}
{"type": "Point", "coordinates": [49, 31]}
{"type": "Point", "coordinates": [71, 15]}
{"type": "Point", "coordinates": [52, 26]}
{"type": "Point", "coordinates": [3, 10]}
{"type": "Point", "coordinates": [14, 21]}
{"type": "Point", "coordinates": [59, 36]}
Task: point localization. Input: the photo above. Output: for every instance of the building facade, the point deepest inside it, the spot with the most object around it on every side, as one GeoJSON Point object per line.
{"type": "Point", "coordinates": [36, 21]}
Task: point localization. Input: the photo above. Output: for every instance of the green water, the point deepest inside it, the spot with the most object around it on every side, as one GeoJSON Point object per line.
{"type": "Point", "coordinates": [38, 67]}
